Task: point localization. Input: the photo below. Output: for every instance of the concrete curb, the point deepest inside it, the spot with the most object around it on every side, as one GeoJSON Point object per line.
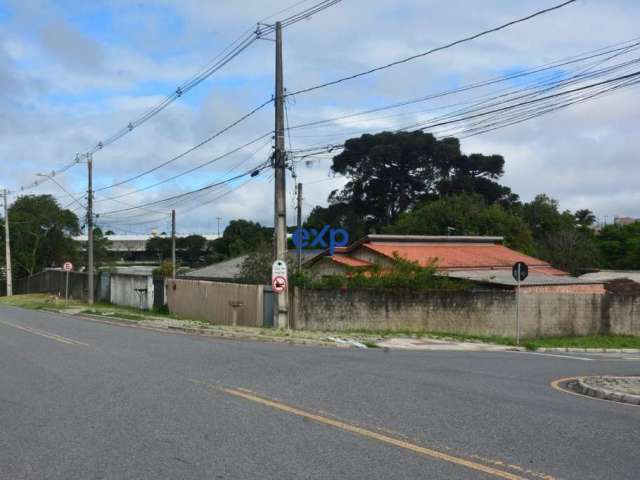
{"type": "Point", "coordinates": [171, 329]}
{"type": "Point", "coordinates": [587, 350]}
{"type": "Point", "coordinates": [582, 386]}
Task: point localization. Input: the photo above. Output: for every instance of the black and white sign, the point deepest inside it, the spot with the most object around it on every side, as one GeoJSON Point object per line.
{"type": "Point", "coordinates": [279, 276]}
{"type": "Point", "coordinates": [520, 271]}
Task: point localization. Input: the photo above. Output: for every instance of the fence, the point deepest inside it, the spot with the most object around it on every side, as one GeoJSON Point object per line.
{"type": "Point", "coordinates": [138, 291]}
{"type": "Point", "coordinates": [217, 302]}
{"type": "Point", "coordinates": [53, 281]}
{"type": "Point", "coordinates": [465, 312]}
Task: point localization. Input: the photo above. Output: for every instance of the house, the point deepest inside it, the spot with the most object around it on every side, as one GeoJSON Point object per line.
{"type": "Point", "coordinates": [230, 270]}
{"type": "Point", "coordinates": [484, 260]}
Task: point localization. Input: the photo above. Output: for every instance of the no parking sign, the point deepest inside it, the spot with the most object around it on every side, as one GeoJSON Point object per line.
{"type": "Point", "coordinates": [279, 276]}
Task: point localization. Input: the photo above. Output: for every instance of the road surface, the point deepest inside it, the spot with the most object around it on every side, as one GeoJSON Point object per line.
{"type": "Point", "coordinates": [87, 400]}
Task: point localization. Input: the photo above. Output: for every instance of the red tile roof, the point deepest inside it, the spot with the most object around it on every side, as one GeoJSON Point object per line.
{"type": "Point", "coordinates": [349, 261]}
{"type": "Point", "coordinates": [461, 256]}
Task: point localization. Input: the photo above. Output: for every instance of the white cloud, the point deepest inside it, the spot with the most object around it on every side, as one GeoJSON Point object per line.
{"type": "Point", "coordinates": [62, 89]}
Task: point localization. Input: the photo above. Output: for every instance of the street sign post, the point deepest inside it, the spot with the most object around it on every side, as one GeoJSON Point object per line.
{"type": "Point", "coordinates": [520, 272]}
{"type": "Point", "coordinates": [67, 267]}
{"type": "Point", "coordinates": [279, 280]}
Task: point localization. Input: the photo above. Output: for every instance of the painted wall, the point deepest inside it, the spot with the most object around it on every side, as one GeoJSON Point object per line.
{"type": "Point", "coordinates": [464, 312]}
{"type": "Point", "coordinates": [214, 301]}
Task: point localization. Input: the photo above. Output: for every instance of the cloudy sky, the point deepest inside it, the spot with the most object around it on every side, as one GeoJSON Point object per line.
{"type": "Point", "coordinates": [73, 73]}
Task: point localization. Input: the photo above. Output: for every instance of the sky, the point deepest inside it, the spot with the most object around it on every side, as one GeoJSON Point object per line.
{"type": "Point", "coordinates": [73, 73]}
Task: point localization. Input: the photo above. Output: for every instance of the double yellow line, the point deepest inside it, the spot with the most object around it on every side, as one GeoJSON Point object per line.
{"type": "Point", "coordinates": [42, 333]}
{"type": "Point", "coordinates": [373, 435]}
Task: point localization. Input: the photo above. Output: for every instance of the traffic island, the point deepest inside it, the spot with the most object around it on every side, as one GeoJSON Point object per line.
{"type": "Point", "coordinates": [617, 389]}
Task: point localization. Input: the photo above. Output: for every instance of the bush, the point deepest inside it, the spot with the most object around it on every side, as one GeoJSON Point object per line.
{"type": "Point", "coordinates": [164, 270]}
{"type": "Point", "coordinates": [403, 274]}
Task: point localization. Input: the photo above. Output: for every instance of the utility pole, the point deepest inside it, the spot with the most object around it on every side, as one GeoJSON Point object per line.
{"type": "Point", "coordinates": [299, 226]}
{"type": "Point", "coordinates": [7, 246]}
{"type": "Point", "coordinates": [90, 225]}
{"type": "Point", "coordinates": [173, 244]}
{"type": "Point", "coordinates": [281, 305]}
{"type": "Point", "coordinates": [218, 218]}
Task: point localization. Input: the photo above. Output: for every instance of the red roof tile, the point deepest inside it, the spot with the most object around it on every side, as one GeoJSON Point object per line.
{"type": "Point", "coordinates": [349, 261]}
{"type": "Point", "coordinates": [462, 256]}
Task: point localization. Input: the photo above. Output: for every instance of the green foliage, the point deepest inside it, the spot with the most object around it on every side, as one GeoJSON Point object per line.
{"type": "Point", "coordinates": [240, 237]}
{"type": "Point", "coordinates": [619, 246]}
{"type": "Point", "coordinates": [390, 173]}
{"type": "Point", "coordinates": [159, 246]}
{"type": "Point", "coordinates": [256, 267]}
{"type": "Point", "coordinates": [570, 250]}
{"type": "Point", "coordinates": [466, 214]}
{"type": "Point", "coordinates": [164, 270]}
{"type": "Point", "coordinates": [41, 234]}
{"type": "Point", "coordinates": [402, 274]}
{"type": "Point", "coordinates": [192, 248]}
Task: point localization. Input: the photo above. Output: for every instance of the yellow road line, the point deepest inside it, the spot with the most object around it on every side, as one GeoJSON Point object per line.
{"type": "Point", "coordinates": [247, 395]}
{"type": "Point", "coordinates": [42, 333]}
{"type": "Point", "coordinates": [556, 386]}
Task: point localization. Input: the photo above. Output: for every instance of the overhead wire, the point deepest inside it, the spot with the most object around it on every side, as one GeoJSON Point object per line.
{"type": "Point", "coordinates": [431, 51]}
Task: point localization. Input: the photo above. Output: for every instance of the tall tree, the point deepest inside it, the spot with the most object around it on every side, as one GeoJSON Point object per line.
{"type": "Point", "coordinates": [242, 236]}
{"type": "Point", "coordinates": [41, 234]}
{"type": "Point", "coordinates": [389, 173]}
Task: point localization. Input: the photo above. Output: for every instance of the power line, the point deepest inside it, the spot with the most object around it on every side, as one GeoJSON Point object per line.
{"type": "Point", "coordinates": [188, 151]}
{"type": "Point", "coordinates": [228, 54]}
{"type": "Point", "coordinates": [433, 50]}
{"type": "Point", "coordinates": [191, 170]}
{"type": "Point", "coordinates": [252, 172]}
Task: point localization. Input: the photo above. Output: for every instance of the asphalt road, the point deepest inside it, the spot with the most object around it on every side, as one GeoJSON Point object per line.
{"type": "Point", "coordinates": [86, 400]}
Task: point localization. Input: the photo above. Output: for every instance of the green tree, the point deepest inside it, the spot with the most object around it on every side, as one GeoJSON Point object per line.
{"type": "Point", "coordinates": [41, 234]}
{"type": "Point", "coordinates": [192, 248]}
{"type": "Point", "coordinates": [585, 220]}
{"type": "Point", "coordinates": [570, 250]}
{"type": "Point", "coordinates": [619, 246]}
{"type": "Point", "coordinates": [159, 247]}
{"type": "Point", "coordinates": [466, 214]}
{"type": "Point", "coordinates": [101, 244]}
{"type": "Point", "coordinates": [389, 173]}
{"type": "Point", "coordinates": [256, 267]}
{"type": "Point", "coordinates": [545, 218]}
{"type": "Point", "coordinates": [242, 236]}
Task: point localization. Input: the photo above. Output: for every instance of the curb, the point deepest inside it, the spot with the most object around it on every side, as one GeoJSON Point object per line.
{"type": "Point", "coordinates": [587, 350]}
{"type": "Point", "coordinates": [201, 332]}
{"type": "Point", "coordinates": [585, 388]}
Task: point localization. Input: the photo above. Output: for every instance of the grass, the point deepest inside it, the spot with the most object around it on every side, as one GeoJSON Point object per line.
{"type": "Point", "coordinates": [38, 301]}
{"type": "Point", "coordinates": [45, 301]}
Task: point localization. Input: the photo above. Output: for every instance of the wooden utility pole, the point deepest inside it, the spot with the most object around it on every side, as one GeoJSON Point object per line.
{"type": "Point", "coordinates": [90, 226]}
{"type": "Point", "coordinates": [299, 226]}
{"type": "Point", "coordinates": [7, 246]}
{"type": "Point", "coordinates": [281, 305]}
{"type": "Point", "coordinates": [173, 244]}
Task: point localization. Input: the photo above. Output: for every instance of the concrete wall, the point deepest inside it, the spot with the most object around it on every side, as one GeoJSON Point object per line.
{"type": "Point", "coordinates": [473, 313]}
{"type": "Point", "coordinates": [132, 290]}
{"type": "Point", "coordinates": [211, 301]}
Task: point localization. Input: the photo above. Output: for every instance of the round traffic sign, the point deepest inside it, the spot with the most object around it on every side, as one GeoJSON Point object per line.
{"type": "Point", "coordinates": [67, 266]}
{"type": "Point", "coordinates": [279, 284]}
